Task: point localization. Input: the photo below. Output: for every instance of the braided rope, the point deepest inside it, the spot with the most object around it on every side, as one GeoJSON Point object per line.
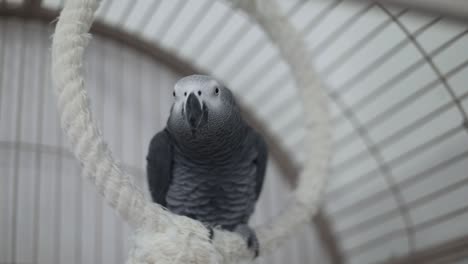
{"type": "Point", "coordinates": [159, 234]}
{"type": "Point", "coordinates": [312, 180]}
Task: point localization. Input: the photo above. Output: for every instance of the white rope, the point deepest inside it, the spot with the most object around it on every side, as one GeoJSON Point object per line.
{"type": "Point", "coordinates": [160, 234]}
{"type": "Point", "coordinates": [311, 184]}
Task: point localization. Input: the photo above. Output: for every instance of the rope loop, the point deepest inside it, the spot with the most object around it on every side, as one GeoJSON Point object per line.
{"type": "Point", "coordinates": [159, 233]}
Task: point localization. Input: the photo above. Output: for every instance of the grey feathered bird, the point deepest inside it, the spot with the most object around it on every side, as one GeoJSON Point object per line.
{"type": "Point", "coordinates": [208, 163]}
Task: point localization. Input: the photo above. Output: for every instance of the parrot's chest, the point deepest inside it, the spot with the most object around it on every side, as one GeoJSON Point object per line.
{"type": "Point", "coordinates": [216, 192]}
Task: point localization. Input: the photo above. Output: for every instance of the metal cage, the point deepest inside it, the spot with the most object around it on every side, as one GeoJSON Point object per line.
{"type": "Point", "coordinates": [396, 74]}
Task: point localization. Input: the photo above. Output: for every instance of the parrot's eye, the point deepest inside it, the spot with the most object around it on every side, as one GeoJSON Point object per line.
{"type": "Point", "coordinates": [185, 94]}
{"type": "Point", "coordinates": [173, 93]}
{"type": "Point", "coordinates": [199, 93]}
{"type": "Point", "coordinates": [217, 90]}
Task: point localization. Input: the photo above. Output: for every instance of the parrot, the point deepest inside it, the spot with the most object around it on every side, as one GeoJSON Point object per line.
{"type": "Point", "coordinates": [207, 163]}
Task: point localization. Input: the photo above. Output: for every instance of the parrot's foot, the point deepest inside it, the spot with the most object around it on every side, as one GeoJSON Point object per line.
{"type": "Point", "coordinates": [211, 232]}
{"type": "Point", "coordinates": [250, 237]}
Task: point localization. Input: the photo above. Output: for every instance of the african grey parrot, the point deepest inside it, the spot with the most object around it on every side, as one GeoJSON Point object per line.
{"type": "Point", "coordinates": [208, 163]}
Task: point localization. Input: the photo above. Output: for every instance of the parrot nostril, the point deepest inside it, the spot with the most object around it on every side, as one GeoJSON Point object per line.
{"type": "Point", "coordinates": [199, 93]}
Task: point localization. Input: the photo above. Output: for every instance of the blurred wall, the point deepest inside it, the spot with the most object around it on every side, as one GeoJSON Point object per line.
{"type": "Point", "coordinates": [47, 213]}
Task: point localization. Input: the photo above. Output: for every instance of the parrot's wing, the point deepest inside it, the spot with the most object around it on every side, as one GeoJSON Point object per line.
{"type": "Point", "coordinates": [159, 166]}
{"type": "Point", "coordinates": [261, 162]}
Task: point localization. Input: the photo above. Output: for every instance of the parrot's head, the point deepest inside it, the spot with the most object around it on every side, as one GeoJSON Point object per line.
{"type": "Point", "coordinates": [202, 107]}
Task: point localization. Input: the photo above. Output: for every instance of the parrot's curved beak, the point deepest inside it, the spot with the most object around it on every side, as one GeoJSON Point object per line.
{"type": "Point", "coordinates": [193, 110]}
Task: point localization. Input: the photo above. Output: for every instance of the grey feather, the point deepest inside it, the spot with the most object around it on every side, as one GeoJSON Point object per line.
{"type": "Point", "coordinates": [208, 163]}
{"type": "Point", "coordinates": [159, 166]}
